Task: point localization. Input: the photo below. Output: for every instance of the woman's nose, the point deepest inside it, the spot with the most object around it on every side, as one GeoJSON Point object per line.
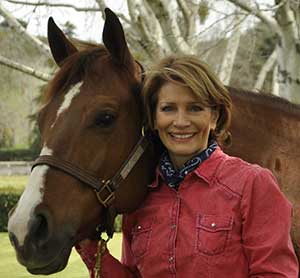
{"type": "Point", "coordinates": [181, 120]}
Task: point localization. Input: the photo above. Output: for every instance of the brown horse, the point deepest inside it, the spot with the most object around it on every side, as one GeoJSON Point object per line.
{"type": "Point", "coordinates": [91, 120]}
{"type": "Point", "coordinates": [266, 130]}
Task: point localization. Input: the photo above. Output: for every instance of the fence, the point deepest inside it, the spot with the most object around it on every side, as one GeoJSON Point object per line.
{"type": "Point", "coordinates": [14, 168]}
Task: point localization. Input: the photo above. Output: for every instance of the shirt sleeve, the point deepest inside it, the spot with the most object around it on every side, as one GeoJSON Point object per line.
{"type": "Point", "coordinates": [266, 218]}
{"type": "Point", "coordinates": [127, 268]}
{"type": "Point", "coordinates": [110, 266]}
{"type": "Point", "coordinates": [128, 258]}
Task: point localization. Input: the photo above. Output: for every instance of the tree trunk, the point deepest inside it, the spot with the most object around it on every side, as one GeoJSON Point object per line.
{"type": "Point", "coordinates": [231, 50]}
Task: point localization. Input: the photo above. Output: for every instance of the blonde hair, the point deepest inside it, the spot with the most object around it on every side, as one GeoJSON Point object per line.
{"type": "Point", "coordinates": [190, 72]}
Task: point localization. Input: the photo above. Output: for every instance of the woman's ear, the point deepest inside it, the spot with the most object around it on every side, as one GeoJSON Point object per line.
{"type": "Point", "coordinates": [215, 113]}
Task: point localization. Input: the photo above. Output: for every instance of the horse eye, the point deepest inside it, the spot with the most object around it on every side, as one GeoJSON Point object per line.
{"type": "Point", "coordinates": [104, 119]}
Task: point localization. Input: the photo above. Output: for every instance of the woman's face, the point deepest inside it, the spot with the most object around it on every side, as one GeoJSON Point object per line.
{"type": "Point", "coordinates": [183, 124]}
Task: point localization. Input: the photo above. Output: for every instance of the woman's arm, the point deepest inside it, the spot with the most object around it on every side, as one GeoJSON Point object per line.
{"type": "Point", "coordinates": [110, 266]}
{"type": "Point", "coordinates": [266, 227]}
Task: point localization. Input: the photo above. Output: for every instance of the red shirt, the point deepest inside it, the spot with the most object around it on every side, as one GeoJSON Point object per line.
{"type": "Point", "coordinates": [227, 219]}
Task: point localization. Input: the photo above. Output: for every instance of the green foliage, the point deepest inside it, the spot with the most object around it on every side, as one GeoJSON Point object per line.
{"type": "Point", "coordinates": [118, 223]}
{"type": "Point", "coordinates": [7, 201]}
{"type": "Point", "coordinates": [203, 11]}
{"type": "Point", "coordinates": [35, 136]}
{"type": "Point", "coordinates": [6, 136]}
{"type": "Point", "coordinates": [18, 154]}
{"type": "Point", "coordinates": [69, 29]}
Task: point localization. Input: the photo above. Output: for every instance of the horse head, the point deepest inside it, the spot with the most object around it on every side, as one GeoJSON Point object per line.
{"type": "Point", "coordinates": [92, 119]}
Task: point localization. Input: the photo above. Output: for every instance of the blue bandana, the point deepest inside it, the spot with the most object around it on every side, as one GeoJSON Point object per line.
{"type": "Point", "coordinates": [174, 177]}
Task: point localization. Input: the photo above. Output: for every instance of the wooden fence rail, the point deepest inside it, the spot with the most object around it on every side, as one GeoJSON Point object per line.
{"type": "Point", "coordinates": [15, 168]}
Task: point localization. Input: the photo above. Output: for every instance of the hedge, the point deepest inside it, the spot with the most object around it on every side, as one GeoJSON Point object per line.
{"type": "Point", "coordinates": [9, 199]}
{"type": "Point", "coordinates": [18, 154]}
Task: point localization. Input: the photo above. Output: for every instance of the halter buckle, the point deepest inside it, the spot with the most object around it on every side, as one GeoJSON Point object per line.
{"type": "Point", "coordinates": [109, 192]}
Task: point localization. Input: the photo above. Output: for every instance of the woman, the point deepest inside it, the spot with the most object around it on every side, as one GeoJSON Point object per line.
{"type": "Point", "coordinates": [207, 214]}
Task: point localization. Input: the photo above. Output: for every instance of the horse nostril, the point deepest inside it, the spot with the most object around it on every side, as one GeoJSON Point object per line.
{"type": "Point", "coordinates": [14, 241]}
{"type": "Point", "coordinates": [40, 229]}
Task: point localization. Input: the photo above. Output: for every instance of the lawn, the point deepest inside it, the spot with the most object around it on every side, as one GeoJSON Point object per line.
{"type": "Point", "coordinates": [9, 267]}
{"type": "Point", "coordinates": [17, 183]}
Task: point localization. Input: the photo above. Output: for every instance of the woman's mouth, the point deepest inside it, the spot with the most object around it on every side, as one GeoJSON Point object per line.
{"type": "Point", "coordinates": [181, 136]}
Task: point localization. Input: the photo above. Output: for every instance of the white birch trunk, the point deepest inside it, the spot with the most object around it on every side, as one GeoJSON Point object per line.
{"type": "Point", "coordinates": [231, 50]}
{"type": "Point", "coordinates": [268, 65]}
{"type": "Point", "coordinates": [275, 85]}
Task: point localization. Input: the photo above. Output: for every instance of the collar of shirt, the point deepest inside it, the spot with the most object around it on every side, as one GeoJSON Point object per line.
{"type": "Point", "coordinates": [205, 171]}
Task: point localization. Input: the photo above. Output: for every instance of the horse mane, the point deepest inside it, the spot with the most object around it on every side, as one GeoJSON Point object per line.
{"type": "Point", "coordinates": [74, 68]}
{"type": "Point", "coordinates": [266, 100]}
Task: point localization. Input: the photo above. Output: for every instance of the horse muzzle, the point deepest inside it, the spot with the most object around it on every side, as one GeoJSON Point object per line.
{"type": "Point", "coordinates": [44, 250]}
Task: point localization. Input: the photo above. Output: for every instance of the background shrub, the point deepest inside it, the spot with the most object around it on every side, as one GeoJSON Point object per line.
{"type": "Point", "coordinates": [18, 154]}
{"type": "Point", "coordinates": [7, 201]}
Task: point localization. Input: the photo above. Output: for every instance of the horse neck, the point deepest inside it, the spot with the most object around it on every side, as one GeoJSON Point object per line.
{"type": "Point", "coordinates": [266, 113]}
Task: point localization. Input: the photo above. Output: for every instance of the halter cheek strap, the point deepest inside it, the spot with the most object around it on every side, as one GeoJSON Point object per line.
{"type": "Point", "coordinates": [104, 189]}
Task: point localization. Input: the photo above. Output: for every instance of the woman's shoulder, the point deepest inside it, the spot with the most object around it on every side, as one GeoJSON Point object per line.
{"type": "Point", "coordinates": [235, 174]}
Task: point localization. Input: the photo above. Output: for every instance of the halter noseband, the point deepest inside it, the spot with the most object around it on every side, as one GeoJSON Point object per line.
{"type": "Point", "coordinates": [104, 189]}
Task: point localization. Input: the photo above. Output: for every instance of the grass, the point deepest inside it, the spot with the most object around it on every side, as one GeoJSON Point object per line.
{"type": "Point", "coordinates": [13, 183]}
{"type": "Point", "coordinates": [9, 267]}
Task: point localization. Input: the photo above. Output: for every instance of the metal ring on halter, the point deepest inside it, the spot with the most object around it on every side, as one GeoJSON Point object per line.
{"type": "Point", "coordinates": [143, 131]}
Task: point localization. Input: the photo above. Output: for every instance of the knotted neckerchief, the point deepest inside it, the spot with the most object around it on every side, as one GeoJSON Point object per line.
{"type": "Point", "coordinates": [174, 177]}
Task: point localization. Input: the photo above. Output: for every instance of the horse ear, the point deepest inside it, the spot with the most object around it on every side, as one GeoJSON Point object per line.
{"type": "Point", "coordinates": [114, 40]}
{"type": "Point", "coordinates": [60, 46]}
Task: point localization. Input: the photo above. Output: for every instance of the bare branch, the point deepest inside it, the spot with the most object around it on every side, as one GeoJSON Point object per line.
{"type": "Point", "coordinates": [100, 3]}
{"type": "Point", "coordinates": [25, 69]}
{"type": "Point", "coordinates": [16, 26]}
{"type": "Point", "coordinates": [259, 14]}
{"type": "Point", "coordinates": [49, 4]}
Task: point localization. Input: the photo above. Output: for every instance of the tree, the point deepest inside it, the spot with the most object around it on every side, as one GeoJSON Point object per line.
{"type": "Point", "coordinates": [286, 25]}
{"type": "Point", "coordinates": [155, 28]}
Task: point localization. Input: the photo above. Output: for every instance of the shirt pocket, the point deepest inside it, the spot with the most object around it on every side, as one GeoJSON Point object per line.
{"type": "Point", "coordinates": [213, 233]}
{"type": "Point", "coordinates": [141, 238]}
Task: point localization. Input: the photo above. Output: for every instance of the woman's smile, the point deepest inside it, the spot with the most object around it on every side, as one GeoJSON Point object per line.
{"type": "Point", "coordinates": [181, 137]}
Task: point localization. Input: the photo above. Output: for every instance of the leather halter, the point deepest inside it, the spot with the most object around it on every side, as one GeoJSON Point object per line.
{"type": "Point", "coordinates": [104, 189]}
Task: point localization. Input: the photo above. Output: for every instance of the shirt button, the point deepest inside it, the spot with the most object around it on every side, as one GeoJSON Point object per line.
{"type": "Point", "coordinates": [213, 225]}
{"type": "Point", "coordinates": [171, 259]}
{"type": "Point", "coordinates": [173, 226]}
{"type": "Point", "coordinates": [139, 227]}
{"type": "Point", "coordinates": [185, 172]}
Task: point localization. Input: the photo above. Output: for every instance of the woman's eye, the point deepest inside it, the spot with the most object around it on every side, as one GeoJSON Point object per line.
{"type": "Point", "coordinates": [196, 108]}
{"type": "Point", "coordinates": [104, 120]}
{"type": "Point", "coordinates": [166, 108]}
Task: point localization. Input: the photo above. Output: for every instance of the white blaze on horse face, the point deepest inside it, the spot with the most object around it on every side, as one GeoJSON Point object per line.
{"type": "Point", "coordinates": [74, 91]}
{"type": "Point", "coordinates": [32, 196]}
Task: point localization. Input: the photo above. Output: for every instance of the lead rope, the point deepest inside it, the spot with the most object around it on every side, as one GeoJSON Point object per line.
{"type": "Point", "coordinates": [101, 247]}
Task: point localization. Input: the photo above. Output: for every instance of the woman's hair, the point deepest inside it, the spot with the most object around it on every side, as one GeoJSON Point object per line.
{"type": "Point", "coordinates": [190, 72]}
